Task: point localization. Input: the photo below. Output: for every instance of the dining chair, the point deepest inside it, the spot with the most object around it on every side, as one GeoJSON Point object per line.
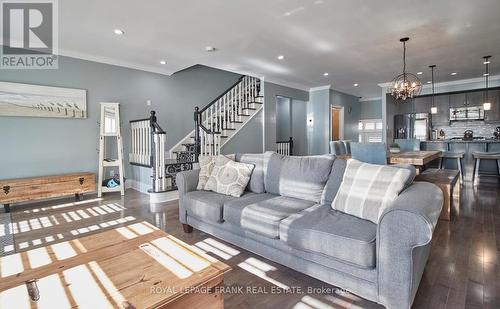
{"type": "Point", "coordinates": [347, 144]}
{"type": "Point", "coordinates": [375, 153]}
{"type": "Point", "coordinates": [408, 144]}
{"type": "Point", "coordinates": [337, 148]}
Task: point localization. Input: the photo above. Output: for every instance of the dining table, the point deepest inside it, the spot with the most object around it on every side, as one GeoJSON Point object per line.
{"type": "Point", "coordinates": [417, 158]}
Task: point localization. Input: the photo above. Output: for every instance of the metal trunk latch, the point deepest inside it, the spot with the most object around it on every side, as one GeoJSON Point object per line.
{"type": "Point", "coordinates": [33, 291]}
{"type": "Point", "coordinates": [81, 180]}
{"type": "Point", "coordinates": [6, 189]}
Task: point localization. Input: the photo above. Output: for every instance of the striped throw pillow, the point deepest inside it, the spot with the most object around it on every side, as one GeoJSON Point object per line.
{"type": "Point", "coordinates": [368, 189]}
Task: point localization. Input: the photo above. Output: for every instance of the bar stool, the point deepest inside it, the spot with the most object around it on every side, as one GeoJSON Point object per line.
{"type": "Point", "coordinates": [453, 155]}
{"type": "Point", "coordinates": [478, 156]}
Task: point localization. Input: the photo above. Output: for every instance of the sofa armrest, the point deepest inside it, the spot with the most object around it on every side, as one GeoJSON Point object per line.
{"type": "Point", "coordinates": [404, 234]}
{"type": "Point", "coordinates": [187, 181]}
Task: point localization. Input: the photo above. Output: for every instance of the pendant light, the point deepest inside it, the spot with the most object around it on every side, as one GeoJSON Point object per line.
{"type": "Point", "coordinates": [487, 103]}
{"type": "Point", "coordinates": [405, 86]}
{"type": "Point", "coordinates": [434, 109]}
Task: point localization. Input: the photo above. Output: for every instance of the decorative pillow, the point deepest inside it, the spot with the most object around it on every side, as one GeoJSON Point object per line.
{"type": "Point", "coordinates": [229, 177]}
{"type": "Point", "coordinates": [206, 166]}
{"type": "Point", "coordinates": [368, 189]}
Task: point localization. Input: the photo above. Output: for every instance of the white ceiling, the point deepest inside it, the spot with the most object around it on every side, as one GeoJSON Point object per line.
{"type": "Point", "coordinates": [355, 41]}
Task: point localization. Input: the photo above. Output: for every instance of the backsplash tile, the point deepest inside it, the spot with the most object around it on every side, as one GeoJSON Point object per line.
{"type": "Point", "coordinates": [480, 128]}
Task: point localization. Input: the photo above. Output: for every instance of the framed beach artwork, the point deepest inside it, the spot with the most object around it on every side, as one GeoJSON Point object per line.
{"type": "Point", "coordinates": [42, 101]}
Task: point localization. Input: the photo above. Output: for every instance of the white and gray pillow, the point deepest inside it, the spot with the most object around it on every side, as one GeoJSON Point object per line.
{"type": "Point", "coordinates": [368, 189]}
{"type": "Point", "coordinates": [206, 166]}
{"type": "Point", "coordinates": [229, 177]}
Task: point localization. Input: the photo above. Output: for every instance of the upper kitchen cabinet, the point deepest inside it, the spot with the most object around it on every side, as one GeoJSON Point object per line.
{"type": "Point", "coordinates": [458, 100]}
{"type": "Point", "coordinates": [494, 113]}
{"type": "Point", "coordinates": [442, 102]}
{"type": "Point", "coordinates": [475, 98]}
{"type": "Point", "coordinates": [422, 104]}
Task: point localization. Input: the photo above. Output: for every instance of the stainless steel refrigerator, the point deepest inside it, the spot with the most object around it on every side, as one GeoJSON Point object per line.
{"type": "Point", "coordinates": [416, 126]}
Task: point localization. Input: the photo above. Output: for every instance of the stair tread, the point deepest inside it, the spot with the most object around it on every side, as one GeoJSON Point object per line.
{"type": "Point", "coordinates": [250, 108]}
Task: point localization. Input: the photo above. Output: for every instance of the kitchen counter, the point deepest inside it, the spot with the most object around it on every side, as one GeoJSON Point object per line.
{"type": "Point", "coordinates": [489, 140]}
{"type": "Point", "coordinates": [468, 147]}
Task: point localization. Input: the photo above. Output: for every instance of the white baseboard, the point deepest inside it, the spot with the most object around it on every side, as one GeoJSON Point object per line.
{"type": "Point", "coordinates": [153, 197]}
{"type": "Point", "coordinates": [137, 186]}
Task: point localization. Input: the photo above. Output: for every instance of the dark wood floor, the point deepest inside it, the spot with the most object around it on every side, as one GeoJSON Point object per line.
{"type": "Point", "coordinates": [462, 272]}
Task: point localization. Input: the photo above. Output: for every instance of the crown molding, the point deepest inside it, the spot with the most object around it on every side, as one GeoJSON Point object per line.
{"type": "Point", "coordinates": [285, 83]}
{"type": "Point", "coordinates": [451, 83]}
{"type": "Point", "coordinates": [370, 99]}
{"type": "Point", "coordinates": [325, 87]}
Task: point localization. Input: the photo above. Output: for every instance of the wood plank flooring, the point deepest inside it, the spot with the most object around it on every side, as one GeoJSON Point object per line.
{"type": "Point", "coordinates": [462, 272]}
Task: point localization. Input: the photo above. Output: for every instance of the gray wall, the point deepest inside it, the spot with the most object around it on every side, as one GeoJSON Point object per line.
{"type": "Point", "coordinates": [270, 92]}
{"type": "Point", "coordinates": [318, 130]}
{"type": "Point", "coordinates": [44, 146]}
{"type": "Point", "coordinates": [371, 109]}
{"type": "Point", "coordinates": [249, 139]}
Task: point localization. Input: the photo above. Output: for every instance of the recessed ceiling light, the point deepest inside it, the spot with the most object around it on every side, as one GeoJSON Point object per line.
{"type": "Point", "coordinates": [487, 62]}
{"type": "Point", "coordinates": [355, 85]}
{"type": "Point", "coordinates": [210, 49]}
{"type": "Point", "coordinates": [420, 73]}
{"type": "Point", "coordinates": [429, 81]}
{"type": "Point", "coordinates": [163, 62]}
{"type": "Point", "coordinates": [486, 74]}
{"type": "Point", "coordinates": [453, 73]}
{"type": "Point", "coordinates": [325, 74]}
{"type": "Point", "coordinates": [118, 31]}
{"type": "Point", "coordinates": [281, 57]}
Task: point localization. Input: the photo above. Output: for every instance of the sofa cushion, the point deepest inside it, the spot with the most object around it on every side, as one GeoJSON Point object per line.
{"type": "Point", "coordinates": [298, 177]}
{"type": "Point", "coordinates": [256, 183]}
{"type": "Point", "coordinates": [335, 234]}
{"type": "Point", "coordinates": [207, 206]}
{"type": "Point", "coordinates": [333, 184]}
{"type": "Point", "coordinates": [368, 189]}
{"type": "Point", "coordinates": [264, 217]}
{"type": "Point", "coordinates": [229, 177]}
{"type": "Point", "coordinates": [234, 208]}
{"type": "Point", "coordinates": [206, 165]}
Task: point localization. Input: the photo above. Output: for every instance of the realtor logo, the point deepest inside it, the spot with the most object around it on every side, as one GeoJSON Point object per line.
{"type": "Point", "coordinates": [29, 34]}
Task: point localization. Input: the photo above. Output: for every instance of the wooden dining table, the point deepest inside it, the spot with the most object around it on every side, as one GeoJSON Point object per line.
{"type": "Point", "coordinates": [417, 158]}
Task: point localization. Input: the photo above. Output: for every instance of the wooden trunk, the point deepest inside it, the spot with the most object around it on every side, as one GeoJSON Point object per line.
{"type": "Point", "coordinates": [36, 188]}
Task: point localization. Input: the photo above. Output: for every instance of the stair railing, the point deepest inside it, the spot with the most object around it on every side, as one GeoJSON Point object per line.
{"type": "Point", "coordinates": [285, 147]}
{"type": "Point", "coordinates": [222, 114]}
{"type": "Point", "coordinates": [148, 149]}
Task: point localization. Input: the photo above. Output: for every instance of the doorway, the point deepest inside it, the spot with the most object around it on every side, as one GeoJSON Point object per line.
{"type": "Point", "coordinates": [291, 122]}
{"type": "Point", "coordinates": [336, 123]}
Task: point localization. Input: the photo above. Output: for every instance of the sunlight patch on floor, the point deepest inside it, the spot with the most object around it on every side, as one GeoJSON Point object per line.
{"type": "Point", "coordinates": [257, 271]}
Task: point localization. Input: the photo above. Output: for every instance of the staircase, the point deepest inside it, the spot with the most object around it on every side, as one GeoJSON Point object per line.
{"type": "Point", "coordinates": [219, 121]}
{"type": "Point", "coordinates": [215, 125]}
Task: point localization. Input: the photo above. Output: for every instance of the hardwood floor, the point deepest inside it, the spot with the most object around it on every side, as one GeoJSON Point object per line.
{"type": "Point", "coordinates": [462, 272]}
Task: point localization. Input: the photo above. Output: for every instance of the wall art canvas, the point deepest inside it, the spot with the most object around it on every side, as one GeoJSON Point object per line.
{"type": "Point", "coordinates": [42, 101]}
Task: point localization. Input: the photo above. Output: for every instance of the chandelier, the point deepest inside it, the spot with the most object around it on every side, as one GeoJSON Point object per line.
{"type": "Point", "coordinates": [406, 85]}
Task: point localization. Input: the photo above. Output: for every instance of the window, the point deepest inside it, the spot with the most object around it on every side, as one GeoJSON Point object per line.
{"type": "Point", "coordinates": [370, 131]}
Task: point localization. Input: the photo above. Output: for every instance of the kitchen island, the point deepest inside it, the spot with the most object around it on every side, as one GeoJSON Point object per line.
{"type": "Point", "coordinates": [467, 147]}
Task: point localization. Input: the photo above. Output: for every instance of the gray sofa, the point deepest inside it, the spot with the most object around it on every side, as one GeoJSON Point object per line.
{"type": "Point", "coordinates": [285, 216]}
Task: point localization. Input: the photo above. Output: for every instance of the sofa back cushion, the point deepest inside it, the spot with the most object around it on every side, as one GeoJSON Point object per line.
{"type": "Point", "coordinates": [333, 184]}
{"type": "Point", "coordinates": [368, 189]}
{"type": "Point", "coordinates": [259, 160]}
{"type": "Point", "coordinates": [298, 177]}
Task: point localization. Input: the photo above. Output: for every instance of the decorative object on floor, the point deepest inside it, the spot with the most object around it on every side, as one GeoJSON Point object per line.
{"type": "Point", "coordinates": [487, 102]}
{"type": "Point", "coordinates": [42, 101]}
{"type": "Point", "coordinates": [434, 108]}
{"type": "Point", "coordinates": [36, 188]}
{"type": "Point", "coordinates": [407, 85]}
{"type": "Point", "coordinates": [110, 128]}
{"type": "Point", "coordinates": [6, 236]}
{"type": "Point", "coordinates": [126, 260]}
{"type": "Point", "coordinates": [368, 189]}
{"type": "Point", "coordinates": [394, 148]}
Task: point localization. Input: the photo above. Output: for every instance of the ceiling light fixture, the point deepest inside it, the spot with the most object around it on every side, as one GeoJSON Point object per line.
{"type": "Point", "coordinates": [210, 49]}
{"type": "Point", "coordinates": [405, 86]}
{"type": "Point", "coordinates": [281, 57]}
{"type": "Point", "coordinates": [163, 62]}
{"type": "Point", "coordinates": [118, 31]}
{"type": "Point", "coordinates": [325, 74]}
{"type": "Point", "coordinates": [420, 73]}
{"type": "Point", "coordinates": [434, 109]}
{"type": "Point", "coordinates": [487, 103]}
{"type": "Point", "coordinates": [453, 73]}
{"type": "Point", "coordinates": [355, 85]}
{"type": "Point", "coordinates": [429, 82]}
